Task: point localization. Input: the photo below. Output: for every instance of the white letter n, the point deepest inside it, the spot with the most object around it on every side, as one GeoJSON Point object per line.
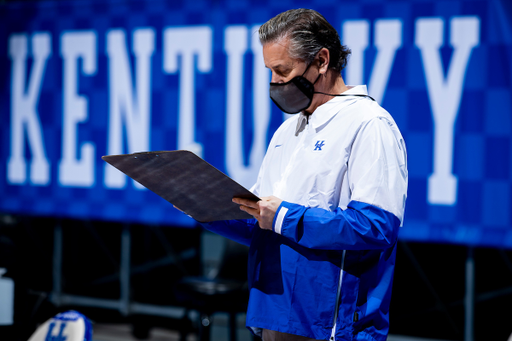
{"type": "Point", "coordinates": [129, 107]}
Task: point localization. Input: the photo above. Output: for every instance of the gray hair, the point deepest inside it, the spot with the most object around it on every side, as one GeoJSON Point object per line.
{"type": "Point", "coordinates": [308, 32]}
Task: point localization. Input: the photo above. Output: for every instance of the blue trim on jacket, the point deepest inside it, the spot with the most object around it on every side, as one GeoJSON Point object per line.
{"type": "Point", "coordinates": [293, 277]}
{"type": "Point", "coordinates": [359, 225]}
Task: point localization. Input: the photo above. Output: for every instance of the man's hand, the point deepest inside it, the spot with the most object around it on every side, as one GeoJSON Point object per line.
{"type": "Point", "coordinates": [263, 210]}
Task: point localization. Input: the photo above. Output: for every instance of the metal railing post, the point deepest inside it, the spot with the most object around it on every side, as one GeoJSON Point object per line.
{"type": "Point", "coordinates": [124, 271]}
{"type": "Point", "coordinates": [57, 265]}
{"type": "Point", "coordinates": [469, 299]}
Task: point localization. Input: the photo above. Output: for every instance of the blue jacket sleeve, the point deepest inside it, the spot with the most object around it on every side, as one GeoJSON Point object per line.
{"type": "Point", "coordinates": [238, 230]}
{"type": "Point", "coordinates": [360, 227]}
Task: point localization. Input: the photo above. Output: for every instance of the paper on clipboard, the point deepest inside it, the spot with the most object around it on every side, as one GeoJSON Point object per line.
{"type": "Point", "coordinates": [187, 181]}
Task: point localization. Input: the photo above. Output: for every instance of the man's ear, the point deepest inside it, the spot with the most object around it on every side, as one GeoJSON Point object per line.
{"type": "Point", "coordinates": [323, 60]}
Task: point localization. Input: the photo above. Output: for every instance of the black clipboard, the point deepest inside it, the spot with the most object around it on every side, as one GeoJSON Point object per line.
{"type": "Point", "coordinates": [186, 181]}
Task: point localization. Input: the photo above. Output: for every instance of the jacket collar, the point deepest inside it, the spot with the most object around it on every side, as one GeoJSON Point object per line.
{"type": "Point", "coordinates": [330, 108]}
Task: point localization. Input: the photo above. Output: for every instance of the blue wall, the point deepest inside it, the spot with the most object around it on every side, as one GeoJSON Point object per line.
{"type": "Point", "coordinates": [82, 79]}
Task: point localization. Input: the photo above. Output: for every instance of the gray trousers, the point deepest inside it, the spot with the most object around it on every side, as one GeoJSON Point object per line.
{"type": "Point", "coordinates": [271, 335]}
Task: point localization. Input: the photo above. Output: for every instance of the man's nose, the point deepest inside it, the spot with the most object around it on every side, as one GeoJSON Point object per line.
{"type": "Point", "coordinates": [276, 78]}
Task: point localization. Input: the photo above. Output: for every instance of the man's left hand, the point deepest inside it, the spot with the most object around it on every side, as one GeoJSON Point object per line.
{"type": "Point", "coordinates": [263, 210]}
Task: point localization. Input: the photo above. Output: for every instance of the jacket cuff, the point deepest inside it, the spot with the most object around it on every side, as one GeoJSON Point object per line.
{"type": "Point", "coordinates": [287, 219]}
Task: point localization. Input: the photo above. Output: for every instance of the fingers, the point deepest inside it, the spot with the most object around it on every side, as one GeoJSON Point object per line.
{"type": "Point", "coordinates": [246, 202]}
{"type": "Point", "coordinates": [264, 210]}
{"type": "Point", "coordinates": [252, 211]}
{"type": "Point", "coordinates": [249, 206]}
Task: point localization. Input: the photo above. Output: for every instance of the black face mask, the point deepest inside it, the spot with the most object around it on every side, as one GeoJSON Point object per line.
{"type": "Point", "coordinates": [295, 95]}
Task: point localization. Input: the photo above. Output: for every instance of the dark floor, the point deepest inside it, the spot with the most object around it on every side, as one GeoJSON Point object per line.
{"type": "Point", "coordinates": [123, 332]}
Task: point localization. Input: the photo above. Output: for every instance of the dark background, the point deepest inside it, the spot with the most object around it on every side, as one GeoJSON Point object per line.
{"type": "Point", "coordinates": [427, 300]}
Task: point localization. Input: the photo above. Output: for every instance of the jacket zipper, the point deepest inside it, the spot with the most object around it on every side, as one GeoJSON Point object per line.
{"type": "Point", "coordinates": [338, 294]}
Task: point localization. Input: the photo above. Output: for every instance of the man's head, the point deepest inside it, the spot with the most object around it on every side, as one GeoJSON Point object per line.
{"type": "Point", "coordinates": [307, 32]}
{"type": "Point", "coordinates": [305, 55]}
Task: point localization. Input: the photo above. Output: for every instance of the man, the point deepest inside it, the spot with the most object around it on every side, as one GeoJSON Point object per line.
{"type": "Point", "coordinates": [332, 186]}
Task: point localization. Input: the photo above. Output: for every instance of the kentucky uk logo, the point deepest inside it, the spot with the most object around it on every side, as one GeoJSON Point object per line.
{"type": "Point", "coordinates": [319, 144]}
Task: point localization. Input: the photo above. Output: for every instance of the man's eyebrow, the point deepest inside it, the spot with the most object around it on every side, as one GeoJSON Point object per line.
{"type": "Point", "coordinates": [280, 67]}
